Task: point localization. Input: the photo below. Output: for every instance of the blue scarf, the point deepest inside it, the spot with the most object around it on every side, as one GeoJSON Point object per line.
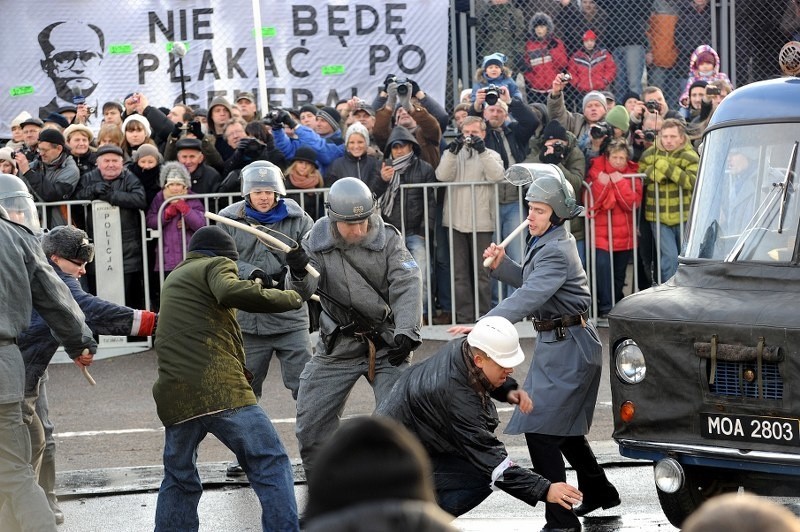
{"type": "Point", "coordinates": [272, 216]}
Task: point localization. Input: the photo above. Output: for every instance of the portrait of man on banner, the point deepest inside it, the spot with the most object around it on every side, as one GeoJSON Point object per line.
{"type": "Point", "coordinates": [73, 52]}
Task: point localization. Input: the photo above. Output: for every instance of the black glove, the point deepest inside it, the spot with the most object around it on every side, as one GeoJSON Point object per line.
{"type": "Point", "coordinates": [478, 144]}
{"type": "Point", "coordinates": [398, 355]}
{"type": "Point", "coordinates": [101, 190]}
{"type": "Point", "coordinates": [257, 274]}
{"type": "Point", "coordinates": [297, 260]}
{"type": "Point", "coordinates": [388, 79]}
{"type": "Point", "coordinates": [196, 129]}
{"type": "Point", "coordinates": [456, 145]}
{"type": "Point", "coordinates": [414, 88]}
{"type": "Point", "coordinates": [177, 130]}
{"type": "Point", "coordinates": [285, 118]}
{"type": "Point", "coordinates": [245, 145]}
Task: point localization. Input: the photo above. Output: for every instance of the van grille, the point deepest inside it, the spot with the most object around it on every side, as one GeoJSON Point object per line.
{"type": "Point", "coordinates": [729, 380]}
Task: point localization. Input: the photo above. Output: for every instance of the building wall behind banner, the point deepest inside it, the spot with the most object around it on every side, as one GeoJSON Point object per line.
{"type": "Point", "coordinates": [315, 51]}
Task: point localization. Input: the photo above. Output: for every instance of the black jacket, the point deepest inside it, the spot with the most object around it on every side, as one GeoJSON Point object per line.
{"type": "Point", "coordinates": [366, 168]}
{"type": "Point", "coordinates": [434, 400]}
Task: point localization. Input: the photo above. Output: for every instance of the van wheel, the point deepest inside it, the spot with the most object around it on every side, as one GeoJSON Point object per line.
{"type": "Point", "coordinates": [696, 490]}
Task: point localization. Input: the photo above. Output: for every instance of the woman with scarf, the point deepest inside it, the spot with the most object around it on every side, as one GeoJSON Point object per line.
{"type": "Point", "coordinates": [285, 334]}
{"type": "Point", "coordinates": [303, 174]}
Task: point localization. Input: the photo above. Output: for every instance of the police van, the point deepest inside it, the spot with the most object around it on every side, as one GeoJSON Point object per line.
{"type": "Point", "coordinates": [705, 368]}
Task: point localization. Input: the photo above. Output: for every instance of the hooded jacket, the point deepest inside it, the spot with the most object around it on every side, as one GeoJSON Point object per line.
{"type": "Point", "coordinates": [695, 75]}
{"type": "Point", "coordinates": [435, 401]}
{"type": "Point", "coordinates": [543, 58]}
{"type": "Point", "coordinates": [412, 218]}
{"type": "Point", "coordinates": [199, 342]}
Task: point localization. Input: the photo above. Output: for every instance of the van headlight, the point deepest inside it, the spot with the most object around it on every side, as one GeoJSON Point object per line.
{"type": "Point", "coordinates": [629, 362]}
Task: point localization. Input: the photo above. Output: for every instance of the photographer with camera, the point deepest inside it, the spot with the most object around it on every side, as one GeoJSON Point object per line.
{"type": "Point", "coordinates": [494, 74]}
{"type": "Point", "coordinates": [469, 209]}
{"type": "Point", "coordinates": [160, 125]}
{"type": "Point", "coordinates": [328, 149]}
{"type": "Point", "coordinates": [401, 102]}
{"type": "Point", "coordinates": [652, 102]}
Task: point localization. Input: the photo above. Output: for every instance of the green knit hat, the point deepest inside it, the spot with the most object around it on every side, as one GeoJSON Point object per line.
{"type": "Point", "coordinates": [618, 117]}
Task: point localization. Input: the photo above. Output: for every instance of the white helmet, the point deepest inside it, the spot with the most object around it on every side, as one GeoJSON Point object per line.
{"type": "Point", "coordinates": [498, 338]}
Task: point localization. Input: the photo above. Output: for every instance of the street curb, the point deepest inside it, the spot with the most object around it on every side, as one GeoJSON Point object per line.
{"type": "Point", "coordinates": [126, 480]}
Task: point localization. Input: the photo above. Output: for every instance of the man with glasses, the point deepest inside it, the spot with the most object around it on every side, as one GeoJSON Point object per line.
{"type": "Point", "coordinates": [52, 176]}
{"type": "Point", "coordinates": [72, 52]}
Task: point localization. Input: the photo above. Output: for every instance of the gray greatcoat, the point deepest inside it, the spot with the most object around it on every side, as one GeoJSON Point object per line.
{"type": "Point", "coordinates": [565, 374]}
{"type": "Point", "coordinates": [255, 255]}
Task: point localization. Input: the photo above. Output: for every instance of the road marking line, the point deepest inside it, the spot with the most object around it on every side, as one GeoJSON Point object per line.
{"type": "Point", "coordinates": [89, 433]}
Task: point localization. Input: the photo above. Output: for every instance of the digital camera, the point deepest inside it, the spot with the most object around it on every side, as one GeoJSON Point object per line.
{"type": "Point", "coordinates": [492, 94]}
{"type": "Point", "coordinates": [653, 106]}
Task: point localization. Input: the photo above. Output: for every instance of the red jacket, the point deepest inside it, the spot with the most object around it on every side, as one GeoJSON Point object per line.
{"type": "Point", "coordinates": [619, 198]}
{"type": "Point", "coordinates": [592, 71]}
{"type": "Point", "coordinates": [545, 59]}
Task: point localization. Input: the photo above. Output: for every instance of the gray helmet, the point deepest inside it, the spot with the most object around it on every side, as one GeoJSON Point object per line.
{"type": "Point", "coordinates": [16, 203]}
{"type": "Point", "coordinates": [549, 186]}
{"type": "Point", "coordinates": [350, 200]}
{"type": "Point", "coordinates": [262, 175]}
{"type": "Point", "coordinates": [68, 242]}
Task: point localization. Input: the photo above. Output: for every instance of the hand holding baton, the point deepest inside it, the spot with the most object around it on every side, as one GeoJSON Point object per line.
{"type": "Point", "coordinates": [506, 241]}
{"type": "Point", "coordinates": [261, 235]}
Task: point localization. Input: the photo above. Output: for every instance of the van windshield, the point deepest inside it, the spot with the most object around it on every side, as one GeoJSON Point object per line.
{"type": "Point", "coordinates": [746, 205]}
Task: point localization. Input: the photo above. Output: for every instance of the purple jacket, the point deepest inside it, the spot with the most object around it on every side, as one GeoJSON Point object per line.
{"type": "Point", "coordinates": [171, 234]}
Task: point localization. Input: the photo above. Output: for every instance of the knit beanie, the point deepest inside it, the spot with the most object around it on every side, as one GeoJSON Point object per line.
{"type": "Point", "coordinates": [53, 136]}
{"type": "Point", "coordinates": [628, 96]}
{"type": "Point", "coordinates": [59, 120]}
{"type": "Point", "coordinates": [20, 118]}
{"type": "Point", "coordinates": [554, 130]}
{"type": "Point", "coordinates": [309, 108]}
{"type": "Point", "coordinates": [146, 150]}
{"type": "Point", "coordinates": [306, 153]}
{"type": "Point", "coordinates": [619, 118]}
{"type": "Point", "coordinates": [369, 459]}
{"type": "Point", "coordinates": [589, 36]}
{"type": "Point", "coordinates": [7, 154]}
{"type": "Point", "coordinates": [358, 128]}
{"type": "Point", "coordinates": [594, 96]}
{"type": "Point", "coordinates": [213, 241]}
{"type": "Point", "coordinates": [68, 242]}
{"type": "Point", "coordinates": [494, 59]}
{"type": "Point", "coordinates": [699, 83]}
{"type": "Point", "coordinates": [174, 171]}
{"type": "Point", "coordinates": [145, 123]}
{"type": "Point", "coordinates": [331, 116]}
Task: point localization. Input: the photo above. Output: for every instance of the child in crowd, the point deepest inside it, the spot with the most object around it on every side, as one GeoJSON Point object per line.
{"type": "Point", "coordinates": [615, 196]}
{"type": "Point", "coordinates": [146, 165]}
{"type": "Point", "coordinates": [544, 58]}
{"type": "Point", "coordinates": [703, 66]}
{"type": "Point", "coordinates": [180, 219]}
{"type": "Point", "coordinates": [493, 71]}
{"type": "Point", "coordinates": [592, 67]}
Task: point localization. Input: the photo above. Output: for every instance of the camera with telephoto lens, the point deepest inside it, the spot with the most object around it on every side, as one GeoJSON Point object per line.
{"type": "Point", "coordinates": [272, 118]}
{"type": "Point", "coordinates": [492, 93]}
{"type": "Point", "coordinates": [403, 86]}
{"type": "Point", "coordinates": [600, 130]}
{"type": "Point", "coordinates": [653, 106]}
{"type": "Point", "coordinates": [650, 135]}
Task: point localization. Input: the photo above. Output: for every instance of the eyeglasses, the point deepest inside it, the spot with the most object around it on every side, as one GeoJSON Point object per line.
{"type": "Point", "coordinates": [81, 265]}
{"type": "Point", "coordinates": [67, 60]}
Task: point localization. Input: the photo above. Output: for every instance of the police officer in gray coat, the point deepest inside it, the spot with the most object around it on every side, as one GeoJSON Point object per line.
{"type": "Point", "coordinates": [371, 294]}
{"type": "Point", "coordinates": [565, 374]}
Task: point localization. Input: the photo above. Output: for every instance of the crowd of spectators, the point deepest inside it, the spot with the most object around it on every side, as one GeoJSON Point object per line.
{"type": "Point", "coordinates": [563, 88]}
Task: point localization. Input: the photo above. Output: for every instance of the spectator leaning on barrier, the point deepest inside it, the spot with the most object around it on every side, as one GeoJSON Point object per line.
{"type": "Point", "coordinates": [671, 168]}
{"type": "Point", "coordinates": [29, 283]}
{"type": "Point", "coordinates": [113, 183]}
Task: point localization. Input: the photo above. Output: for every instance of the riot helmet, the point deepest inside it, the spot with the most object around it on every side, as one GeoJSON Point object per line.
{"type": "Point", "coordinates": [551, 187]}
{"type": "Point", "coordinates": [16, 203]}
{"type": "Point", "coordinates": [350, 200]}
{"type": "Point", "coordinates": [262, 175]}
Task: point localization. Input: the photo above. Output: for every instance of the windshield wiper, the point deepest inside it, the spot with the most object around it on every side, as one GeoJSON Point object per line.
{"type": "Point", "coordinates": [787, 182]}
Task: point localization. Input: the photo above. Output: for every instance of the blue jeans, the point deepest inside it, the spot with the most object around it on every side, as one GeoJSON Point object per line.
{"type": "Point", "coordinates": [630, 68]}
{"type": "Point", "coordinates": [460, 487]}
{"type": "Point", "coordinates": [511, 215]}
{"type": "Point", "coordinates": [417, 247]}
{"type": "Point", "coordinates": [248, 432]}
{"type": "Point", "coordinates": [669, 247]}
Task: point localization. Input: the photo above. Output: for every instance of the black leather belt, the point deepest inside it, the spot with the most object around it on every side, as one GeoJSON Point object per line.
{"type": "Point", "coordinates": [7, 341]}
{"type": "Point", "coordinates": [563, 321]}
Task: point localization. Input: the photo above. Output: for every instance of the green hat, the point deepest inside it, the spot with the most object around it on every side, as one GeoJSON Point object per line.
{"type": "Point", "coordinates": [618, 117]}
